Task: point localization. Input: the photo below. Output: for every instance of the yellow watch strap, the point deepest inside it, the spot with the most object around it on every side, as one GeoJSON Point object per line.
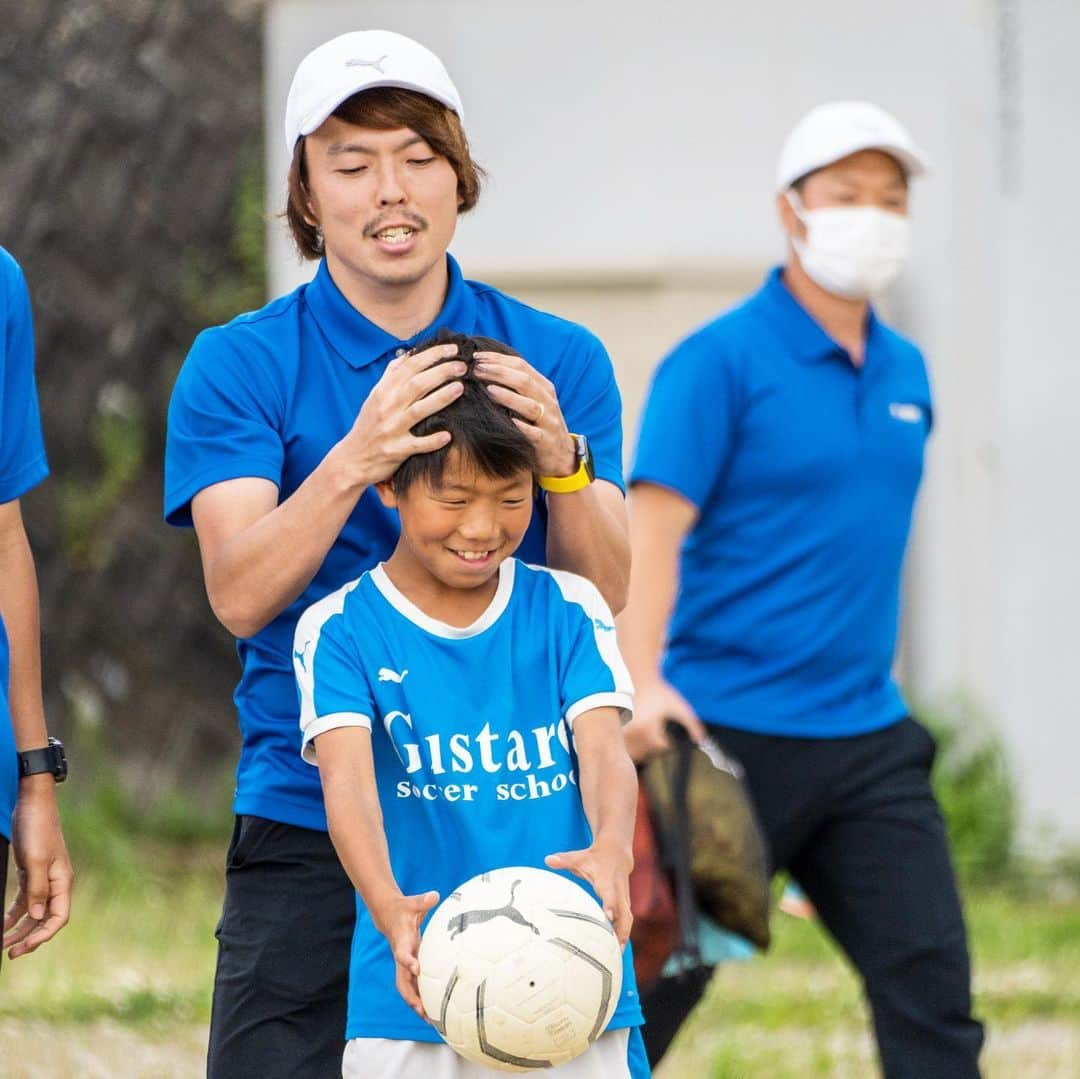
{"type": "Point", "coordinates": [563, 485]}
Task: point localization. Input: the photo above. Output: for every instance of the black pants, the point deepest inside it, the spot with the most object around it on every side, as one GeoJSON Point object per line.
{"type": "Point", "coordinates": [282, 979]}
{"type": "Point", "coordinates": [856, 823]}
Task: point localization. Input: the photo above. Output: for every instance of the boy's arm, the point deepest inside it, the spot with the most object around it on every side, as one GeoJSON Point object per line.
{"type": "Point", "coordinates": [347, 770]}
{"type": "Point", "coordinates": [608, 784]}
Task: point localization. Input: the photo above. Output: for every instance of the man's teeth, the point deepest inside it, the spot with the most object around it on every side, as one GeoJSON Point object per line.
{"type": "Point", "coordinates": [397, 235]}
{"type": "Point", "coordinates": [473, 556]}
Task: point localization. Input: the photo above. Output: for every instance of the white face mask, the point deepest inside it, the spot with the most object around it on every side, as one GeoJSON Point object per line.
{"type": "Point", "coordinates": [851, 251]}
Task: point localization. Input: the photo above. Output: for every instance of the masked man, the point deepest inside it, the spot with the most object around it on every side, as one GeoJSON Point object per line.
{"type": "Point", "coordinates": [780, 453]}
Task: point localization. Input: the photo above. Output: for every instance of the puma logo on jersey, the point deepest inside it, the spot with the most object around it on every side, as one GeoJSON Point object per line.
{"type": "Point", "coordinates": [376, 64]}
{"type": "Point", "coordinates": [387, 675]}
{"type": "Point", "coordinates": [301, 656]}
{"type": "Point", "coordinates": [460, 922]}
{"type": "Point", "coordinates": [599, 623]}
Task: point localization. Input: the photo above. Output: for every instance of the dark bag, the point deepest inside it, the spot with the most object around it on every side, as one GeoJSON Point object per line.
{"type": "Point", "coordinates": [656, 923]}
{"type": "Point", "coordinates": [665, 917]}
{"type": "Point", "coordinates": [701, 811]}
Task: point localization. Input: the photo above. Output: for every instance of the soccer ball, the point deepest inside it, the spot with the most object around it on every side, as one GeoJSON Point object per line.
{"type": "Point", "coordinates": [520, 969]}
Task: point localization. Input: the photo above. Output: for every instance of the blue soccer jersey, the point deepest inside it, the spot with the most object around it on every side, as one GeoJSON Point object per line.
{"type": "Point", "coordinates": [22, 466]}
{"type": "Point", "coordinates": [471, 732]}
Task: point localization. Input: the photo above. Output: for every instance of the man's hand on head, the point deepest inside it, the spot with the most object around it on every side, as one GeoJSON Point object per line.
{"type": "Point", "coordinates": [522, 389]}
{"type": "Point", "coordinates": [412, 388]}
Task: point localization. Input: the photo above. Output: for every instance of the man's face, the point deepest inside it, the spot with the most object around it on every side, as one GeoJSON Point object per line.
{"type": "Point", "coordinates": [868, 178]}
{"type": "Point", "coordinates": [460, 532]}
{"type": "Point", "coordinates": [386, 202]}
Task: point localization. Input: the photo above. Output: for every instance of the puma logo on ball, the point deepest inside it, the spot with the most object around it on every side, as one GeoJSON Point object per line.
{"type": "Point", "coordinates": [460, 922]}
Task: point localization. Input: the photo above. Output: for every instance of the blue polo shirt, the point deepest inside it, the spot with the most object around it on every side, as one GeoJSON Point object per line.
{"type": "Point", "coordinates": [22, 466]}
{"type": "Point", "coordinates": [804, 471]}
{"type": "Point", "coordinates": [268, 395]}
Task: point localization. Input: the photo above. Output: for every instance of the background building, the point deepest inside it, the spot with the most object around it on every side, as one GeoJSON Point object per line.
{"type": "Point", "coordinates": [631, 151]}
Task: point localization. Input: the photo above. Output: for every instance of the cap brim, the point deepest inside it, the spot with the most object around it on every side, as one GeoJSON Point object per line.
{"type": "Point", "coordinates": [912, 159]}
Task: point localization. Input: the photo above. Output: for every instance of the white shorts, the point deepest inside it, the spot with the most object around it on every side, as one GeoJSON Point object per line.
{"type": "Point", "coordinates": [385, 1058]}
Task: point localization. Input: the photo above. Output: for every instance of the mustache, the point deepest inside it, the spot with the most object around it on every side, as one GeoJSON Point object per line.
{"type": "Point", "coordinates": [414, 219]}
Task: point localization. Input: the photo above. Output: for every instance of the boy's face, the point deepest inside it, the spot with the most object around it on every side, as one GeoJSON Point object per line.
{"type": "Point", "coordinates": [460, 532]}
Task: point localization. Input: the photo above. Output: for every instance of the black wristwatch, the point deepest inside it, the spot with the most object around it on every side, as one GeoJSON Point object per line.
{"type": "Point", "coordinates": [50, 759]}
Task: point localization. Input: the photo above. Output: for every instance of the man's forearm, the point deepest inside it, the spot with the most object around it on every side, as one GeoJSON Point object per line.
{"type": "Point", "coordinates": [642, 626]}
{"type": "Point", "coordinates": [19, 608]}
{"type": "Point", "coordinates": [659, 522]}
{"type": "Point", "coordinates": [587, 534]}
{"type": "Point", "coordinates": [254, 574]}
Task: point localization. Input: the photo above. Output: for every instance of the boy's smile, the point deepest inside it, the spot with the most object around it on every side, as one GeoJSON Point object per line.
{"type": "Point", "coordinates": [454, 537]}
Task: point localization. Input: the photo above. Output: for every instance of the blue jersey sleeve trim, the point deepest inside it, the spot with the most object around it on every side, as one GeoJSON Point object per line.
{"type": "Point", "coordinates": [648, 475]}
{"type": "Point", "coordinates": [178, 508]}
{"type": "Point", "coordinates": [23, 479]}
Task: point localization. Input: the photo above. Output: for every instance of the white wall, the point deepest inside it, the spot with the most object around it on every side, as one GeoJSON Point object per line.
{"type": "Point", "coordinates": [631, 139]}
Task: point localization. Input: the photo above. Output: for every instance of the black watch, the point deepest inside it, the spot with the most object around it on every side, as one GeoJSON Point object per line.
{"type": "Point", "coordinates": [50, 759]}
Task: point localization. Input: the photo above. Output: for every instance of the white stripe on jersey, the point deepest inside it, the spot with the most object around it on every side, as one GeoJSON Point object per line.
{"type": "Point", "coordinates": [584, 594]}
{"type": "Point", "coordinates": [305, 642]}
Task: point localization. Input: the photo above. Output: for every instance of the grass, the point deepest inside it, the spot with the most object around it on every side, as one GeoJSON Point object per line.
{"type": "Point", "coordinates": [125, 989]}
{"type": "Point", "coordinates": [798, 1012]}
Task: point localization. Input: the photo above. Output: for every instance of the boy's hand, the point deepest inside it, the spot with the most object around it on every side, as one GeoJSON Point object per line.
{"type": "Point", "coordinates": [606, 866]}
{"type": "Point", "coordinates": [399, 921]}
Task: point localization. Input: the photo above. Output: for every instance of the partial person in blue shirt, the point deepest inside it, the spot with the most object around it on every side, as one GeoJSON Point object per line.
{"type": "Point", "coordinates": [779, 456]}
{"type": "Point", "coordinates": [464, 710]}
{"type": "Point", "coordinates": [280, 425]}
{"type": "Point", "coordinates": [29, 817]}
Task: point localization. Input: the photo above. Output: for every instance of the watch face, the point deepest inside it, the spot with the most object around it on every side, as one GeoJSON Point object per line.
{"type": "Point", "coordinates": [59, 760]}
{"type": "Point", "coordinates": [584, 456]}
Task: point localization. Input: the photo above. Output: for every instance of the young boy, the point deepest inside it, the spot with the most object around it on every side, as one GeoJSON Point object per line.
{"type": "Point", "coordinates": [464, 710]}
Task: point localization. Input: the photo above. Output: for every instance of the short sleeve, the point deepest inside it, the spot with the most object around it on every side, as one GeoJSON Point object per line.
{"type": "Point", "coordinates": [592, 672]}
{"type": "Point", "coordinates": [22, 446]}
{"type": "Point", "coordinates": [225, 419]}
{"type": "Point", "coordinates": [591, 404]}
{"type": "Point", "coordinates": [333, 690]}
{"type": "Point", "coordinates": [688, 423]}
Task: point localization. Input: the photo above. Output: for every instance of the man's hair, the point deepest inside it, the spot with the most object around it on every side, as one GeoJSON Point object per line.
{"type": "Point", "coordinates": [386, 108]}
{"type": "Point", "coordinates": [482, 431]}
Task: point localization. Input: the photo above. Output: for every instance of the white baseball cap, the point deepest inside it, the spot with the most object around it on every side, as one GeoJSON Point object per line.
{"type": "Point", "coordinates": [830, 132]}
{"type": "Point", "coordinates": [357, 61]}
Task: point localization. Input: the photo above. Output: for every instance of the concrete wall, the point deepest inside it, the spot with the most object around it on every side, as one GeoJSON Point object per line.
{"type": "Point", "coordinates": [631, 151]}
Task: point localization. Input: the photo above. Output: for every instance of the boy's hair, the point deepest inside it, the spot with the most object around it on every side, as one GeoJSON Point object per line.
{"type": "Point", "coordinates": [482, 431]}
{"type": "Point", "coordinates": [385, 108]}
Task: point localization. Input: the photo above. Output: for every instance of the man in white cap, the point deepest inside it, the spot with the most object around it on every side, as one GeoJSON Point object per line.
{"type": "Point", "coordinates": [779, 457]}
{"type": "Point", "coordinates": [280, 425]}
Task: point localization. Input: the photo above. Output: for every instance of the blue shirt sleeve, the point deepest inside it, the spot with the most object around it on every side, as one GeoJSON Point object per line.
{"type": "Point", "coordinates": [591, 404]}
{"type": "Point", "coordinates": [592, 672]}
{"type": "Point", "coordinates": [329, 672]}
{"type": "Point", "coordinates": [225, 421]}
{"type": "Point", "coordinates": [22, 446]}
{"type": "Point", "coordinates": [689, 421]}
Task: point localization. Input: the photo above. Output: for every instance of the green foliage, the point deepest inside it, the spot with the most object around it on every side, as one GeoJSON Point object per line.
{"type": "Point", "coordinates": [216, 285]}
{"type": "Point", "coordinates": [977, 793]}
{"type": "Point", "coordinates": [118, 436]}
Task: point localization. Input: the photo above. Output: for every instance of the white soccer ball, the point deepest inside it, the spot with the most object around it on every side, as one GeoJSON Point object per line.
{"type": "Point", "coordinates": [520, 969]}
